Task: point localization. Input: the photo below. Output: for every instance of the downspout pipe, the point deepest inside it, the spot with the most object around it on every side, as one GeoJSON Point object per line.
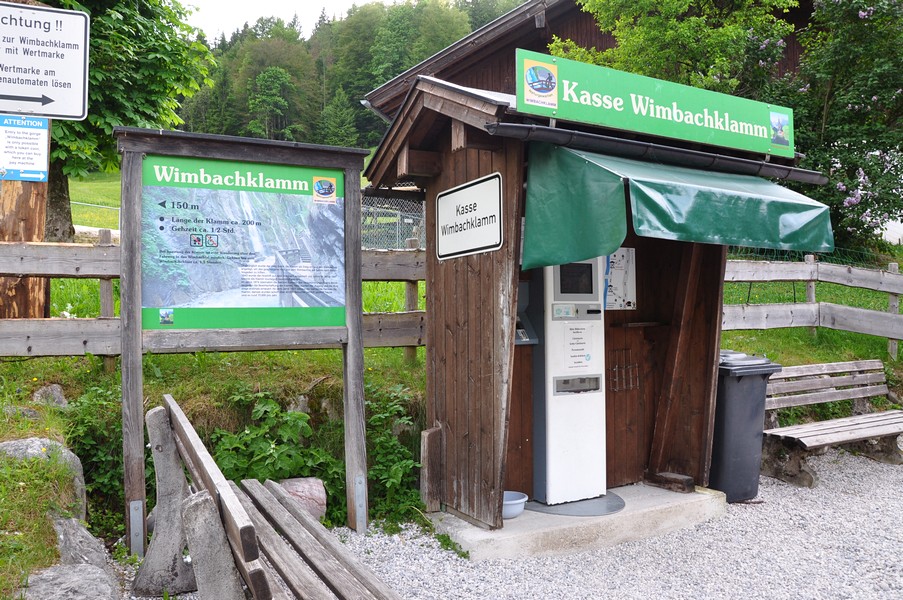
{"type": "Point", "coordinates": [648, 151]}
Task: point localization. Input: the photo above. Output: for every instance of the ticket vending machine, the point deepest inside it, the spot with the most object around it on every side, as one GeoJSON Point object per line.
{"type": "Point", "coordinates": [569, 382]}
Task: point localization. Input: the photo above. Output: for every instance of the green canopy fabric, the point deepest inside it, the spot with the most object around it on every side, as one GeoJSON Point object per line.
{"type": "Point", "coordinates": [576, 207]}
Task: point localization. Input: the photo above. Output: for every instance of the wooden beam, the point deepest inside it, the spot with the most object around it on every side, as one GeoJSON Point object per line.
{"type": "Point", "coordinates": [418, 163]}
{"type": "Point", "coordinates": [132, 375]}
{"type": "Point", "coordinates": [768, 316]}
{"type": "Point", "coordinates": [84, 261]}
{"type": "Point", "coordinates": [393, 265]}
{"type": "Point", "coordinates": [431, 468]}
{"type": "Point", "coordinates": [466, 137]}
{"type": "Point", "coordinates": [685, 298]}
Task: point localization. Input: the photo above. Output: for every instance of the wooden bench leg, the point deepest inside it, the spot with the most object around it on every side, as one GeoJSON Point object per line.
{"type": "Point", "coordinates": [885, 449]}
{"type": "Point", "coordinates": [163, 568]}
{"type": "Point", "coordinates": [787, 463]}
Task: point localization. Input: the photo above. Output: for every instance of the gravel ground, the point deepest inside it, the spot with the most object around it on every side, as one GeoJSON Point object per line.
{"type": "Point", "coordinates": [842, 539]}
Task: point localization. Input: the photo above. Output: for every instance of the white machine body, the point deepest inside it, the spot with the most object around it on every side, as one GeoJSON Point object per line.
{"type": "Point", "coordinates": [574, 383]}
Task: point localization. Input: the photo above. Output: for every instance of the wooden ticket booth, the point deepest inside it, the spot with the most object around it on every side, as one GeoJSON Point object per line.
{"type": "Point", "coordinates": [570, 190]}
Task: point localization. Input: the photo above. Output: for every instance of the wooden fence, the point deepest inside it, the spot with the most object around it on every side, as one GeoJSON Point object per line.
{"type": "Point", "coordinates": [101, 336]}
{"type": "Point", "coordinates": [811, 313]}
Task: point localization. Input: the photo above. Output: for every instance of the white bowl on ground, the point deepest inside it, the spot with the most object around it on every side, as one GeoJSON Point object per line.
{"type": "Point", "coordinates": [513, 504]}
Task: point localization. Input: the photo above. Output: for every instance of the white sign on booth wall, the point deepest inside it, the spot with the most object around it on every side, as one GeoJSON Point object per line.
{"type": "Point", "coordinates": [469, 218]}
{"type": "Point", "coordinates": [43, 61]}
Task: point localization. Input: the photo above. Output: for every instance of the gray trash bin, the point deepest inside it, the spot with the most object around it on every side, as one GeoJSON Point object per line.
{"type": "Point", "coordinates": [739, 419]}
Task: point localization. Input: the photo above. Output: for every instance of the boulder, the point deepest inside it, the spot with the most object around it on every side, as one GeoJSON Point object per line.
{"type": "Point", "coordinates": [65, 582]}
{"type": "Point", "coordinates": [51, 395]}
{"type": "Point", "coordinates": [78, 547]}
{"type": "Point", "coordinates": [43, 448]}
{"type": "Point", "coordinates": [310, 494]}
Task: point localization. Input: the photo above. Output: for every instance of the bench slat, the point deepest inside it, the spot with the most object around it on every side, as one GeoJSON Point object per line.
{"type": "Point", "coordinates": [871, 391]}
{"type": "Point", "coordinates": [342, 583]}
{"type": "Point", "coordinates": [236, 521]}
{"type": "Point", "coordinates": [820, 383]}
{"type": "Point", "coordinates": [303, 582]}
{"type": "Point", "coordinates": [826, 426]}
{"type": "Point", "coordinates": [837, 431]}
{"type": "Point", "coordinates": [828, 368]}
{"type": "Point", "coordinates": [316, 529]}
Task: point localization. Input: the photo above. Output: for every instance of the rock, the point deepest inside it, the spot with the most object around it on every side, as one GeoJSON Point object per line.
{"type": "Point", "coordinates": [51, 395]}
{"type": "Point", "coordinates": [309, 492]}
{"type": "Point", "coordinates": [78, 547]}
{"type": "Point", "coordinates": [66, 582]}
{"type": "Point", "coordinates": [300, 404]}
{"type": "Point", "coordinates": [43, 448]}
{"type": "Point", "coordinates": [21, 411]}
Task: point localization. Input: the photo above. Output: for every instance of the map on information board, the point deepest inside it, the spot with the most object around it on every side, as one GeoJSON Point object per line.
{"type": "Point", "coordinates": [620, 280]}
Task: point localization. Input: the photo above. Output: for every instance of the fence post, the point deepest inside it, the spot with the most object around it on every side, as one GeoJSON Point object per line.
{"type": "Point", "coordinates": [810, 289]}
{"type": "Point", "coordinates": [411, 300]}
{"type": "Point", "coordinates": [893, 307]}
{"type": "Point", "coordinates": [107, 305]}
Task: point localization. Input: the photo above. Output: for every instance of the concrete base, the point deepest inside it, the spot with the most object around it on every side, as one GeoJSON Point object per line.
{"type": "Point", "coordinates": [648, 512]}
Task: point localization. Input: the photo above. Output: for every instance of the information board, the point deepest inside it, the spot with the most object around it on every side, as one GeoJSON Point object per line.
{"type": "Point", "coordinates": [241, 245]}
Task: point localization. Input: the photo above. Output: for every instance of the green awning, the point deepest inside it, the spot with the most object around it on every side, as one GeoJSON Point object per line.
{"type": "Point", "coordinates": [576, 207]}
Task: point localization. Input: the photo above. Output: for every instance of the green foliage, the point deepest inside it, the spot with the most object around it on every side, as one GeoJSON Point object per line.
{"type": "Point", "coordinates": [729, 47]}
{"type": "Point", "coordinates": [275, 445]}
{"type": "Point", "coordinates": [336, 127]}
{"type": "Point", "coordinates": [268, 106]}
{"type": "Point", "coordinates": [848, 100]}
{"type": "Point", "coordinates": [95, 427]}
{"type": "Point", "coordinates": [393, 490]}
{"type": "Point", "coordinates": [143, 58]}
{"type": "Point", "coordinates": [447, 543]}
{"type": "Point", "coordinates": [481, 12]}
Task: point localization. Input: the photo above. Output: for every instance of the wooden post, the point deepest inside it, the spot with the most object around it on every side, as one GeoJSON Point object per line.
{"type": "Point", "coordinates": [132, 377]}
{"type": "Point", "coordinates": [411, 293]}
{"type": "Point", "coordinates": [893, 307]}
{"type": "Point", "coordinates": [353, 351]}
{"type": "Point", "coordinates": [107, 303]}
{"type": "Point", "coordinates": [810, 289]}
{"type": "Point", "coordinates": [23, 209]}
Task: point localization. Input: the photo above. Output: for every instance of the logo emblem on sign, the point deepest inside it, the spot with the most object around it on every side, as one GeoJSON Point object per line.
{"type": "Point", "coordinates": [541, 83]}
{"type": "Point", "coordinates": [325, 190]}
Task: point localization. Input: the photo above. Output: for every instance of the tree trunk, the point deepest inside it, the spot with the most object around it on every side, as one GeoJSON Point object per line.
{"type": "Point", "coordinates": [23, 205]}
{"type": "Point", "coordinates": [59, 213]}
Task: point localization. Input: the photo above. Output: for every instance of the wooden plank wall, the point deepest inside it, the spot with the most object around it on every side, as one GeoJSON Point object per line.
{"type": "Point", "coordinates": [637, 346]}
{"type": "Point", "coordinates": [470, 322]}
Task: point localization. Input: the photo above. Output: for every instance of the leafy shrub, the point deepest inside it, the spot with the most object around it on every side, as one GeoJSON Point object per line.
{"type": "Point", "coordinates": [94, 434]}
{"type": "Point", "coordinates": [393, 493]}
{"type": "Point", "coordinates": [278, 444]}
{"type": "Point", "coordinates": [274, 445]}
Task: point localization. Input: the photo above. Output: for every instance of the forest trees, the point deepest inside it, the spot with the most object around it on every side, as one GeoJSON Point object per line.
{"type": "Point", "coordinates": [328, 73]}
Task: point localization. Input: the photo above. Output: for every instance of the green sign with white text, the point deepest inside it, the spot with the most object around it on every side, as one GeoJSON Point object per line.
{"type": "Point", "coordinates": [573, 91]}
{"type": "Point", "coordinates": [231, 245]}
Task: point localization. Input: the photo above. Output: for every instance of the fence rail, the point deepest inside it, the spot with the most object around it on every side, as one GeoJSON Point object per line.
{"type": "Point", "coordinates": [101, 336]}
{"type": "Point", "coordinates": [811, 313]}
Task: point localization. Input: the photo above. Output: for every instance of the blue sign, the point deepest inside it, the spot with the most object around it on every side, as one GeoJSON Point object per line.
{"type": "Point", "coordinates": [24, 148]}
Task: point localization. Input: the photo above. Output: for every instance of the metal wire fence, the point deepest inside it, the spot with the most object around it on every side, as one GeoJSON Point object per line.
{"type": "Point", "coordinates": [390, 217]}
{"type": "Point", "coordinates": [840, 256]}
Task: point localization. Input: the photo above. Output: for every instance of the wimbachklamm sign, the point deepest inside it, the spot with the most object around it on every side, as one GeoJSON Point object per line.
{"type": "Point", "coordinates": [573, 91]}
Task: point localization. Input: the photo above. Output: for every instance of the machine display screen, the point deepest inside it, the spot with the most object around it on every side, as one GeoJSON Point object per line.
{"type": "Point", "coordinates": [576, 278]}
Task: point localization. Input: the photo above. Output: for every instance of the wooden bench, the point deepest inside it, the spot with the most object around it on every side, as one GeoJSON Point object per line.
{"type": "Point", "coordinates": [873, 433]}
{"type": "Point", "coordinates": [279, 549]}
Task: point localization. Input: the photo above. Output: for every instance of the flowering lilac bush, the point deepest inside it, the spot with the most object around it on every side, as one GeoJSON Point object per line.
{"type": "Point", "coordinates": [848, 100]}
